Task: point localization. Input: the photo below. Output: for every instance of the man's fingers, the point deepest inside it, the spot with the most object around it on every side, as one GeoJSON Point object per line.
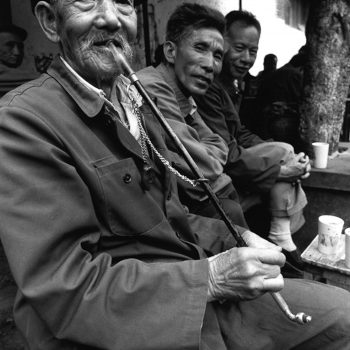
{"type": "Point", "coordinates": [300, 156]}
{"type": "Point", "coordinates": [273, 284]}
{"type": "Point", "coordinates": [304, 159]}
{"type": "Point", "coordinates": [305, 176]}
{"type": "Point", "coordinates": [270, 245]}
{"type": "Point", "coordinates": [307, 170]}
{"type": "Point", "coordinates": [271, 257]}
{"type": "Point", "coordinates": [255, 241]}
{"type": "Point", "coordinates": [270, 271]}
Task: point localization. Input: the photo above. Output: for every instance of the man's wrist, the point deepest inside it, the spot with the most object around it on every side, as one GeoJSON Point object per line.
{"type": "Point", "coordinates": [283, 171]}
{"type": "Point", "coordinates": [212, 293]}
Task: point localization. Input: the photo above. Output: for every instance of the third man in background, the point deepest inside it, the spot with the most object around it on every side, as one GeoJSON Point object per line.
{"type": "Point", "coordinates": [257, 168]}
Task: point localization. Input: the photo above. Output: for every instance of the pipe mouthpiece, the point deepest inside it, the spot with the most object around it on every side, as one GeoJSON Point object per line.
{"type": "Point", "coordinates": [302, 318]}
{"type": "Point", "coordinates": [119, 56]}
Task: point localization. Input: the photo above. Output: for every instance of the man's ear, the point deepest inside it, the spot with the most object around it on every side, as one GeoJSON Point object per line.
{"type": "Point", "coordinates": [227, 44]}
{"type": "Point", "coordinates": [169, 50]}
{"type": "Point", "coordinates": [47, 17]}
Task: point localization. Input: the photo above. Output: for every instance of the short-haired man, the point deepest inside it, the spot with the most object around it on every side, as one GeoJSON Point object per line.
{"type": "Point", "coordinates": [192, 56]}
{"type": "Point", "coordinates": [103, 254]}
{"type": "Point", "coordinates": [256, 167]}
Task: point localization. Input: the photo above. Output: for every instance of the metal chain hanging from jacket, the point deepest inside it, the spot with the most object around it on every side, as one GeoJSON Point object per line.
{"type": "Point", "coordinates": [144, 140]}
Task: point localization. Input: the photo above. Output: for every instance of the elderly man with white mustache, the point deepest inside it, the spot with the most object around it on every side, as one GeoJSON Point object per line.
{"type": "Point", "coordinates": [102, 251]}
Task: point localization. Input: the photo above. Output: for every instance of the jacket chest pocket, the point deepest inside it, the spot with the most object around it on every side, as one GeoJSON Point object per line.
{"type": "Point", "coordinates": [127, 209]}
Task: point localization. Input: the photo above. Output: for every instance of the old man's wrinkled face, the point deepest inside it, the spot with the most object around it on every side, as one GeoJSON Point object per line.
{"type": "Point", "coordinates": [88, 28]}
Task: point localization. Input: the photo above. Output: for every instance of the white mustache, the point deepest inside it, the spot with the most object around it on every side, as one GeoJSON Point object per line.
{"type": "Point", "coordinates": [119, 39]}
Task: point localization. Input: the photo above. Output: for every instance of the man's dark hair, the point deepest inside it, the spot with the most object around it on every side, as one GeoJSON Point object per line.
{"type": "Point", "coordinates": [188, 17]}
{"type": "Point", "coordinates": [242, 16]}
{"type": "Point", "coordinates": [11, 28]}
{"type": "Point", "coordinates": [270, 58]}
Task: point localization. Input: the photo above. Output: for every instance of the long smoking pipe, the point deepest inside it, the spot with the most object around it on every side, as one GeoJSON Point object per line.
{"type": "Point", "coordinates": [300, 317]}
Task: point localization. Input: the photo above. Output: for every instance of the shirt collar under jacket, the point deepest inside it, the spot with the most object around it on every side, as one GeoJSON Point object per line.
{"type": "Point", "coordinates": [91, 99]}
{"type": "Point", "coordinates": [193, 105]}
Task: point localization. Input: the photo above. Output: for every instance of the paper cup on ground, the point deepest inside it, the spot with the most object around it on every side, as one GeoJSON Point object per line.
{"type": "Point", "coordinates": [329, 231]}
{"type": "Point", "coordinates": [321, 154]}
{"type": "Point", "coordinates": [347, 247]}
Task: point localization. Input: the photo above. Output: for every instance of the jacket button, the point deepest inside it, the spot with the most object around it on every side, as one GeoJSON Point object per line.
{"type": "Point", "coordinates": [127, 178]}
{"type": "Point", "coordinates": [108, 121]}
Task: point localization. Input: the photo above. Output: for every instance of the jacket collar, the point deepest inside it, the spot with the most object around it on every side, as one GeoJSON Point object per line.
{"type": "Point", "coordinates": [170, 78]}
{"type": "Point", "coordinates": [89, 100]}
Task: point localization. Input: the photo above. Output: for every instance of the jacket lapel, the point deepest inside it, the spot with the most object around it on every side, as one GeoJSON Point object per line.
{"type": "Point", "coordinates": [127, 140]}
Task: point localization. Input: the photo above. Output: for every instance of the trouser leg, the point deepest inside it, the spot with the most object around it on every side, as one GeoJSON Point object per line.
{"type": "Point", "coordinates": [286, 202]}
{"type": "Point", "coordinates": [260, 324]}
{"type": "Point", "coordinates": [286, 199]}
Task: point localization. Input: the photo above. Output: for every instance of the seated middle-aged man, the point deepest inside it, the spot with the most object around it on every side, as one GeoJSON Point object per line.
{"type": "Point", "coordinates": [107, 258]}
{"type": "Point", "coordinates": [192, 55]}
{"type": "Point", "coordinates": [270, 169]}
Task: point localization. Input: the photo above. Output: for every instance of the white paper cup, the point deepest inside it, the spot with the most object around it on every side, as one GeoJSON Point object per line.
{"type": "Point", "coordinates": [321, 154]}
{"type": "Point", "coordinates": [329, 231]}
{"type": "Point", "coordinates": [347, 247]}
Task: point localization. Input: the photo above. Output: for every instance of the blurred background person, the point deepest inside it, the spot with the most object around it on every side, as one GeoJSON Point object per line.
{"type": "Point", "coordinates": [15, 67]}
{"type": "Point", "coordinates": [270, 65]}
{"type": "Point", "coordinates": [278, 101]}
{"type": "Point", "coordinates": [11, 46]}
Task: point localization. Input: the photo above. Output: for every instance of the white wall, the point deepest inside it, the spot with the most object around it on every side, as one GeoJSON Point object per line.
{"type": "Point", "coordinates": [276, 37]}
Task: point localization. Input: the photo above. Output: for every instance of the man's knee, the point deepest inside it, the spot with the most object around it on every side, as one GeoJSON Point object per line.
{"type": "Point", "coordinates": [281, 195]}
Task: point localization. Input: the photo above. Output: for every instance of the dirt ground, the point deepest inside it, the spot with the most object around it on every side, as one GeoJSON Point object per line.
{"type": "Point", "coordinates": [10, 339]}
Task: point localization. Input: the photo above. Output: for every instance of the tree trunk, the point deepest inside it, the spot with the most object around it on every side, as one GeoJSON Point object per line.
{"type": "Point", "coordinates": [327, 73]}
